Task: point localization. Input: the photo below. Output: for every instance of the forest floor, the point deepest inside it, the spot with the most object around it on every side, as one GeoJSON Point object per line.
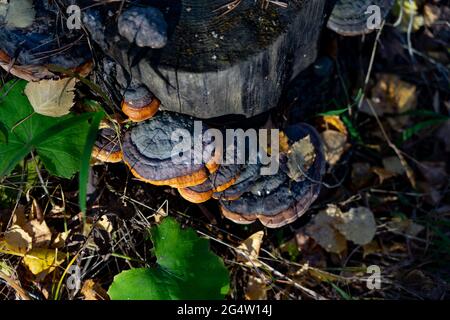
{"type": "Point", "coordinates": [382, 105]}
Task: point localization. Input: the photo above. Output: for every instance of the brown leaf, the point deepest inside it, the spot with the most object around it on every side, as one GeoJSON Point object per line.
{"type": "Point", "coordinates": [391, 95]}
{"type": "Point", "coordinates": [383, 174]}
{"type": "Point", "coordinates": [256, 289]}
{"type": "Point", "coordinates": [40, 233]}
{"type": "Point", "coordinates": [322, 231]}
{"type": "Point", "coordinates": [393, 165]}
{"type": "Point", "coordinates": [18, 240]}
{"type": "Point", "coordinates": [358, 225]}
{"type": "Point", "coordinates": [371, 248]}
{"type": "Point", "coordinates": [250, 249]}
{"type": "Point", "coordinates": [335, 145]}
{"type": "Point", "coordinates": [300, 158]}
{"type": "Point", "coordinates": [405, 226]}
{"type": "Point", "coordinates": [93, 291]}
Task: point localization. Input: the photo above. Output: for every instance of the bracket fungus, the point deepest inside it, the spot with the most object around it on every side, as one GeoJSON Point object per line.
{"type": "Point", "coordinates": [139, 104]}
{"type": "Point", "coordinates": [144, 26]}
{"type": "Point", "coordinates": [107, 146]}
{"type": "Point", "coordinates": [277, 200]}
{"type": "Point", "coordinates": [219, 181]}
{"type": "Point", "coordinates": [148, 150]}
{"type": "Point", "coordinates": [353, 17]}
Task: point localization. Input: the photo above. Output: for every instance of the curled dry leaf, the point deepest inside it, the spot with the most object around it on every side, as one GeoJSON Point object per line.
{"type": "Point", "coordinates": [300, 158]}
{"type": "Point", "coordinates": [52, 98]}
{"type": "Point", "coordinates": [250, 249]}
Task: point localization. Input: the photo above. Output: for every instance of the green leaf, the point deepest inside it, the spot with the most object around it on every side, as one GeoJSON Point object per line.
{"type": "Point", "coordinates": [186, 269]}
{"type": "Point", "coordinates": [351, 129]}
{"type": "Point", "coordinates": [3, 133]}
{"type": "Point", "coordinates": [58, 141]}
{"type": "Point", "coordinates": [333, 112]}
{"type": "Point", "coordinates": [410, 132]}
{"type": "Point", "coordinates": [86, 157]}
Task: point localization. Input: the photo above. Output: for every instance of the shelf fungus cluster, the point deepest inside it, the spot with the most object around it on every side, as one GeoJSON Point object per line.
{"type": "Point", "coordinates": [200, 172]}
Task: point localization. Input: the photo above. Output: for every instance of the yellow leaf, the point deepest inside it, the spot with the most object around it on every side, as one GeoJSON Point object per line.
{"type": "Point", "coordinates": [335, 123]}
{"type": "Point", "coordinates": [52, 98]}
{"type": "Point", "coordinates": [43, 260]}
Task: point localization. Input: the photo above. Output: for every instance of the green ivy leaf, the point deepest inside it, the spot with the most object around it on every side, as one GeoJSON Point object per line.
{"type": "Point", "coordinates": [58, 141]}
{"type": "Point", "coordinates": [186, 269]}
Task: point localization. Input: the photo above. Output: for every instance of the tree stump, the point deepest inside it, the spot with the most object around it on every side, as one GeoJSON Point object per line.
{"type": "Point", "coordinates": [217, 64]}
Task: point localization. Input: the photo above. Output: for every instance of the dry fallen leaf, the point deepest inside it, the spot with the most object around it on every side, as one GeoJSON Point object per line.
{"type": "Point", "coordinates": [18, 240]}
{"type": "Point", "coordinates": [405, 226]}
{"type": "Point", "coordinates": [371, 248]}
{"type": "Point", "coordinates": [52, 98]}
{"type": "Point", "coordinates": [334, 144]}
{"type": "Point", "coordinates": [431, 14]}
{"type": "Point", "coordinates": [322, 231]}
{"type": "Point", "coordinates": [18, 217]}
{"type": "Point", "coordinates": [327, 237]}
{"type": "Point", "coordinates": [358, 225]}
{"type": "Point", "coordinates": [93, 291]}
{"type": "Point", "coordinates": [43, 260]}
{"type": "Point", "coordinates": [60, 239]}
{"type": "Point", "coordinates": [300, 158]}
{"type": "Point", "coordinates": [393, 165]}
{"type": "Point", "coordinates": [104, 223]}
{"type": "Point", "coordinates": [284, 142]}
{"type": "Point", "coordinates": [39, 232]}
{"type": "Point", "coordinates": [334, 123]}
{"type": "Point", "coordinates": [361, 174]}
{"type": "Point", "coordinates": [256, 289]}
{"type": "Point", "coordinates": [250, 249]}
{"type": "Point", "coordinates": [383, 174]}
{"type": "Point", "coordinates": [391, 95]}
{"type": "Point", "coordinates": [331, 228]}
